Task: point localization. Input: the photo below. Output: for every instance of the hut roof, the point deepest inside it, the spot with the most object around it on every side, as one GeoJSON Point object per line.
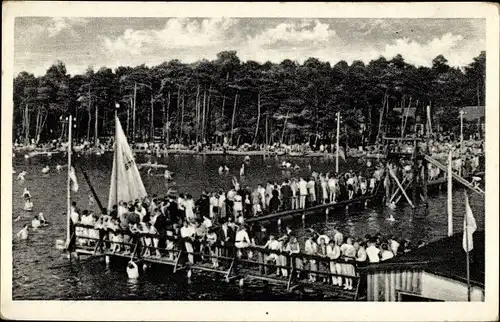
{"type": "Point", "coordinates": [444, 257]}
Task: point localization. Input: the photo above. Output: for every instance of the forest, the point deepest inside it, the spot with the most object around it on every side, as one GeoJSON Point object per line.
{"type": "Point", "coordinates": [245, 102]}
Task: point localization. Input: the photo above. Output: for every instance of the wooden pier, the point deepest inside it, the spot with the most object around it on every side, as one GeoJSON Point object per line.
{"type": "Point", "coordinates": [293, 270]}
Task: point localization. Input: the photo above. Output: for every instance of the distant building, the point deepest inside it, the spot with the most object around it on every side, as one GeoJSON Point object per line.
{"type": "Point", "coordinates": [435, 272]}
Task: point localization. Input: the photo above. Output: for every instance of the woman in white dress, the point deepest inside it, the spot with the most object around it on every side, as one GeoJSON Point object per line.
{"type": "Point", "coordinates": [311, 248]}
{"type": "Point", "coordinates": [324, 188]}
{"type": "Point", "coordinates": [349, 255]}
{"type": "Point", "coordinates": [222, 204]}
{"type": "Point", "coordinates": [189, 208]}
{"type": "Point", "coordinates": [333, 252]}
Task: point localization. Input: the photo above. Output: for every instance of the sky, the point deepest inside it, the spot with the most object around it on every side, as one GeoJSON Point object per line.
{"type": "Point", "coordinates": [95, 42]}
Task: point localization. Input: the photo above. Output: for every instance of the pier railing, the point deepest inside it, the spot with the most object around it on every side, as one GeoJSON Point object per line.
{"type": "Point", "coordinates": [294, 270]}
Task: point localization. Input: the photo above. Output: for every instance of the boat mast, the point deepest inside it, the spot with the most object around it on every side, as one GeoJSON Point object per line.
{"type": "Point", "coordinates": [68, 215]}
{"type": "Point", "coordinates": [337, 145]}
{"type": "Point", "coordinates": [117, 106]}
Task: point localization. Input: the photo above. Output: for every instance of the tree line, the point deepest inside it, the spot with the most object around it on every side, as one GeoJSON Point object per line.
{"type": "Point", "coordinates": [245, 102]}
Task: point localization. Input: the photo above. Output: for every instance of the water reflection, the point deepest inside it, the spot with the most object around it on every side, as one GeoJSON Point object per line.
{"type": "Point", "coordinates": [133, 286]}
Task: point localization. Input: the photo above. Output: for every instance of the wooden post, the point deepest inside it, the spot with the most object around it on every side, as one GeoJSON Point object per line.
{"type": "Point", "coordinates": [68, 199]}
{"type": "Point", "coordinates": [416, 173]}
{"type": "Point", "coordinates": [133, 112]}
{"type": "Point", "coordinates": [427, 130]}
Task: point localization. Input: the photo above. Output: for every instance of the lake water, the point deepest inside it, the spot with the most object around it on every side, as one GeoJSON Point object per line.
{"type": "Point", "coordinates": [34, 277]}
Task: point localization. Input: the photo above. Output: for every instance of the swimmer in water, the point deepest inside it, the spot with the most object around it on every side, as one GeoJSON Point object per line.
{"type": "Point", "coordinates": [242, 169]}
{"type": "Point", "coordinates": [26, 193]}
{"type": "Point", "coordinates": [35, 223]}
{"type": "Point", "coordinates": [21, 175]}
{"type": "Point", "coordinates": [58, 167]}
{"type": "Point", "coordinates": [45, 169]}
{"type": "Point", "coordinates": [149, 171]}
{"type": "Point", "coordinates": [167, 175]}
{"type": "Point", "coordinates": [23, 233]}
{"type": "Point", "coordinates": [42, 219]}
{"type": "Point", "coordinates": [226, 169]}
{"type": "Point", "coordinates": [28, 205]}
{"type": "Point", "coordinates": [221, 169]}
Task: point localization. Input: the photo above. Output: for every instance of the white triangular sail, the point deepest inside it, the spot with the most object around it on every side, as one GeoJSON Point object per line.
{"type": "Point", "coordinates": [126, 182]}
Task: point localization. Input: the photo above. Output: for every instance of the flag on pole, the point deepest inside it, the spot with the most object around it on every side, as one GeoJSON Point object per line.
{"type": "Point", "coordinates": [72, 176]}
{"type": "Point", "coordinates": [469, 226]}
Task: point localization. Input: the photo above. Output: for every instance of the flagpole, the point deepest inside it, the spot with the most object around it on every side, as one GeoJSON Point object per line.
{"type": "Point", "coordinates": [467, 250]}
{"type": "Point", "coordinates": [337, 147]}
{"type": "Point", "coordinates": [450, 195]}
{"type": "Point", "coordinates": [117, 105]}
{"type": "Point", "coordinates": [68, 215]}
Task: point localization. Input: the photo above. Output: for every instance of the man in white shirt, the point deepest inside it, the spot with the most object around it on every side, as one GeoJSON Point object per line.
{"type": "Point", "coordinates": [188, 233]}
{"type": "Point", "coordinates": [302, 193]}
{"type": "Point", "coordinates": [140, 210]}
{"type": "Point", "coordinates": [242, 240]}
{"type": "Point", "coordinates": [373, 252]}
{"type": "Point", "coordinates": [262, 193]}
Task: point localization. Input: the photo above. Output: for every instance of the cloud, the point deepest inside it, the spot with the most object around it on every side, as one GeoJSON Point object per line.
{"type": "Point", "coordinates": [422, 54]}
{"type": "Point", "coordinates": [60, 24]}
{"type": "Point", "coordinates": [293, 34]}
{"type": "Point", "coordinates": [176, 34]}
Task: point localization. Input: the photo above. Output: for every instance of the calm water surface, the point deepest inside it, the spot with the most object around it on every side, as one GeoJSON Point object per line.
{"type": "Point", "coordinates": [32, 259]}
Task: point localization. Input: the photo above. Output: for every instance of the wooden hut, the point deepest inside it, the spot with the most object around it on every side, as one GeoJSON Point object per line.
{"type": "Point", "coordinates": [434, 272]}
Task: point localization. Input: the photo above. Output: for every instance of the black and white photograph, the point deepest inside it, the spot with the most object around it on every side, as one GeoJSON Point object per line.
{"type": "Point", "coordinates": [285, 159]}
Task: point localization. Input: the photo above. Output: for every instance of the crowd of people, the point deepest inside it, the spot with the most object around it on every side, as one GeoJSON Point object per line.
{"type": "Point", "coordinates": [206, 229]}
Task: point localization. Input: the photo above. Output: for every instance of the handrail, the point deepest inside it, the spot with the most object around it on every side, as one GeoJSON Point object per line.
{"type": "Point", "coordinates": [260, 249]}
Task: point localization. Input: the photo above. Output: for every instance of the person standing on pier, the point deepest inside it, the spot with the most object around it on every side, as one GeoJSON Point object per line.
{"type": "Point", "coordinates": [286, 194]}
{"type": "Point", "coordinates": [255, 202]}
{"type": "Point", "coordinates": [226, 237]}
{"type": "Point", "coordinates": [274, 202]}
{"type": "Point", "coordinates": [262, 193]}
{"type": "Point", "coordinates": [222, 205]}
{"type": "Point", "coordinates": [160, 224]}
{"type": "Point", "coordinates": [302, 193]}
{"type": "Point", "coordinates": [214, 204]}
{"type": "Point", "coordinates": [311, 248]}
{"type": "Point", "coordinates": [311, 188]}
{"type": "Point", "coordinates": [324, 188]}
{"type": "Point", "coordinates": [189, 208]}
{"type": "Point", "coordinates": [269, 193]}
{"type": "Point", "coordinates": [188, 235]}
{"type": "Point", "coordinates": [294, 187]}
{"type": "Point", "coordinates": [181, 206]}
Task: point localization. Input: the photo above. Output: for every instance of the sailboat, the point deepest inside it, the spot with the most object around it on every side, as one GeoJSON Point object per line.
{"type": "Point", "coordinates": [126, 183]}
